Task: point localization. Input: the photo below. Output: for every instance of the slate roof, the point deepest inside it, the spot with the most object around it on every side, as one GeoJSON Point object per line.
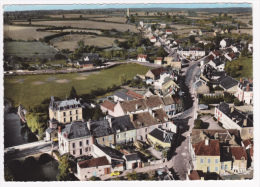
{"type": "Point", "coordinates": [158, 134]}
{"type": "Point", "coordinates": [218, 73]}
{"type": "Point", "coordinates": [236, 115]}
{"type": "Point", "coordinates": [238, 152]}
{"type": "Point", "coordinates": [227, 82]}
{"type": "Point", "coordinates": [156, 72]}
{"type": "Point", "coordinates": [207, 150]}
{"type": "Point", "coordinates": [85, 62]}
{"type": "Point", "coordinates": [76, 129]}
{"type": "Point", "coordinates": [52, 120]}
{"type": "Point", "coordinates": [113, 153]}
{"type": "Point", "coordinates": [109, 105]}
{"type": "Point", "coordinates": [123, 95]}
{"type": "Point", "coordinates": [196, 175]}
{"type": "Point", "coordinates": [122, 123]}
{"type": "Point", "coordinates": [101, 128]}
{"type": "Point", "coordinates": [132, 157]}
{"type": "Point", "coordinates": [63, 105]}
{"type": "Point", "coordinates": [100, 161]}
{"type": "Point", "coordinates": [243, 85]}
{"type": "Point", "coordinates": [50, 130]}
{"type": "Point", "coordinates": [217, 61]}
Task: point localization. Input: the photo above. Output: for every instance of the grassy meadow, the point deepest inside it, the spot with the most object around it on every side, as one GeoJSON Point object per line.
{"type": "Point", "coordinates": [246, 67]}
{"type": "Point", "coordinates": [31, 90]}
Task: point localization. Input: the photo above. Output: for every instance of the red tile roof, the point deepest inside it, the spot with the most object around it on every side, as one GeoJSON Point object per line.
{"type": "Point", "coordinates": [109, 105]}
{"type": "Point", "coordinates": [153, 38]}
{"type": "Point", "coordinates": [238, 152]}
{"type": "Point", "coordinates": [216, 53]}
{"type": "Point", "coordinates": [168, 30]}
{"type": "Point", "coordinates": [157, 71]}
{"type": "Point", "coordinates": [100, 161]}
{"type": "Point", "coordinates": [142, 56]}
{"type": "Point", "coordinates": [251, 151]}
{"type": "Point", "coordinates": [210, 57]}
{"type": "Point", "coordinates": [158, 58]}
{"type": "Point", "coordinates": [207, 150]}
{"type": "Point", "coordinates": [232, 55]}
{"type": "Point", "coordinates": [134, 95]}
{"type": "Point", "coordinates": [196, 175]}
{"type": "Point", "coordinates": [247, 143]}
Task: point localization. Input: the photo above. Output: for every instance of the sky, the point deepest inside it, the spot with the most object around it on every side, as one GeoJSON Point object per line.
{"type": "Point", "coordinates": [70, 7]}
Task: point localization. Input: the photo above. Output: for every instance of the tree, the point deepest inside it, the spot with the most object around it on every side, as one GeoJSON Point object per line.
{"type": "Point", "coordinates": [192, 39]}
{"type": "Point", "coordinates": [80, 16]}
{"type": "Point", "coordinates": [161, 52]}
{"type": "Point", "coordinates": [132, 19]}
{"type": "Point", "coordinates": [64, 166]}
{"type": "Point", "coordinates": [244, 52]}
{"type": "Point", "coordinates": [140, 50]}
{"type": "Point", "coordinates": [123, 79]}
{"type": "Point", "coordinates": [73, 93]}
{"type": "Point", "coordinates": [250, 22]}
{"type": "Point", "coordinates": [198, 124]}
{"type": "Point", "coordinates": [93, 178]}
{"type": "Point", "coordinates": [8, 176]}
{"type": "Point", "coordinates": [132, 176]}
{"type": "Point", "coordinates": [81, 44]}
{"type": "Point", "coordinates": [237, 102]}
{"type": "Point", "coordinates": [153, 27]}
{"type": "Point", "coordinates": [30, 21]}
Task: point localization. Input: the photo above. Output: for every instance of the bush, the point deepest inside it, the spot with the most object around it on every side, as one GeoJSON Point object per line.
{"type": "Point", "coordinates": [214, 119]}
{"type": "Point", "coordinates": [198, 124]}
{"type": "Point", "coordinates": [220, 124]}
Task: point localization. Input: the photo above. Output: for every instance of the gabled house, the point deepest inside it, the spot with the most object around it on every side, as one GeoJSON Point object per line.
{"type": "Point", "coordinates": [244, 91]}
{"type": "Point", "coordinates": [84, 64]}
{"type": "Point", "coordinates": [239, 157]}
{"type": "Point", "coordinates": [153, 39]}
{"type": "Point", "coordinates": [155, 73]}
{"type": "Point", "coordinates": [65, 111]}
{"type": "Point", "coordinates": [168, 31]}
{"type": "Point", "coordinates": [226, 42]}
{"type": "Point", "coordinates": [142, 58]}
{"type": "Point", "coordinates": [93, 167]}
{"type": "Point", "coordinates": [229, 84]}
{"type": "Point", "coordinates": [217, 64]}
{"type": "Point", "coordinates": [121, 96]}
{"type": "Point", "coordinates": [158, 61]}
{"type": "Point", "coordinates": [108, 107]}
{"type": "Point", "coordinates": [231, 56]}
{"type": "Point", "coordinates": [132, 161]}
{"type": "Point", "coordinates": [75, 139]}
{"type": "Point", "coordinates": [161, 137]}
{"type": "Point", "coordinates": [169, 106]}
{"type": "Point", "coordinates": [201, 87]}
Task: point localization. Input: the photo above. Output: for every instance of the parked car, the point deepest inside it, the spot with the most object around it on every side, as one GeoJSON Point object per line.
{"type": "Point", "coordinates": [115, 173]}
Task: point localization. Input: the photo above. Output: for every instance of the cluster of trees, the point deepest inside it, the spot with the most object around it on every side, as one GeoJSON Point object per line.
{"type": "Point", "coordinates": [138, 83]}
{"type": "Point", "coordinates": [114, 53]}
{"type": "Point", "coordinates": [133, 42]}
{"type": "Point", "coordinates": [232, 67]}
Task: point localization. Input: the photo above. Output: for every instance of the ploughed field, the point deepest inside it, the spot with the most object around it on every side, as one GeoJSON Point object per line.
{"type": "Point", "coordinates": [31, 90]}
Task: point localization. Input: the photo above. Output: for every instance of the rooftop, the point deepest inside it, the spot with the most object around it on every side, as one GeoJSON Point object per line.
{"type": "Point", "coordinates": [162, 135]}
{"type": "Point", "coordinates": [123, 95]}
{"type": "Point", "coordinates": [131, 157]}
{"type": "Point", "coordinates": [238, 153]}
{"type": "Point", "coordinates": [76, 129]}
{"type": "Point", "coordinates": [212, 149]}
{"type": "Point", "coordinates": [64, 105]}
{"type": "Point", "coordinates": [113, 153]}
{"type": "Point", "coordinates": [122, 124]}
{"type": "Point", "coordinates": [101, 128]}
{"type": "Point", "coordinates": [227, 82]}
{"type": "Point", "coordinates": [109, 105]}
{"type": "Point", "coordinates": [196, 175]}
{"type": "Point", "coordinates": [100, 161]}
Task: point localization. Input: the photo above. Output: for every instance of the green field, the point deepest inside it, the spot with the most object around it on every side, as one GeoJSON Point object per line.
{"type": "Point", "coordinates": [247, 67]}
{"type": "Point", "coordinates": [31, 90]}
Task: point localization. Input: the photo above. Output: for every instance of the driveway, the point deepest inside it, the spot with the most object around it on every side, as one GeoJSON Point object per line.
{"type": "Point", "coordinates": [210, 122]}
{"type": "Point", "coordinates": [155, 153]}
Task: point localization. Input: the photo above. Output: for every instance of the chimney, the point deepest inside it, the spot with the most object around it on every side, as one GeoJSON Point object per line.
{"type": "Point", "coordinates": [110, 122]}
{"type": "Point", "coordinates": [245, 122]}
{"type": "Point", "coordinates": [232, 109]}
{"type": "Point", "coordinates": [228, 149]}
{"type": "Point", "coordinates": [59, 128]}
{"type": "Point", "coordinates": [240, 79]}
{"type": "Point", "coordinates": [153, 113]}
{"type": "Point", "coordinates": [188, 171]}
{"type": "Point", "coordinates": [131, 117]}
{"type": "Point", "coordinates": [206, 141]}
{"type": "Point", "coordinates": [136, 106]}
{"type": "Point", "coordinates": [247, 87]}
{"type": "Point", "coordinates": [164, 133]}
{"type": "Point", "coordinates": [250, 80]}
{"type": "Point", "coordinates": [93, 139]}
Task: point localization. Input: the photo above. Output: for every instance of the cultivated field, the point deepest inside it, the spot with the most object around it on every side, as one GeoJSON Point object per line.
{"type": "Point", "coordinates": [85, 24]}
{"type": "Point", "coordinates": [113, 19]}
{"type": "Point", "coordinates": [76, 15]}
{"type": "Point", "coordinates": [77, 30]}
{"type": "Point", "coordinates": [31, 90]}
{"type": "Point", "coordinates": [23, 33]}
{"type": "Point", "coordinates": [70, 42]}
{"type": "Point", "coordinates": [247, 31]}
{"type": "Point", "coordinates": [30, 50]}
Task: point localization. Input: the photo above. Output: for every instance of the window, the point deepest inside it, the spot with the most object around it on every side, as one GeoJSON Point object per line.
{"type": "Point", "coordinates": [77, 117]}
{"type": "Point", "coordinates": [64, 113]}
{"type": "Point", "coordinates": [74, 152]}
{"type": "Point", "coordinates": [87, 142]}
{"type": "Point", "coordinates": [226, 167]}
{"type": "Point", "coordinates": [89, 148]}
{"type": "Point", "coordinates": [209, 160]}
{"type": "Point", "coordinates": [117, 136]}
{"type": "Point", "coordinates": [125, 135]}
{"type": "Point", "coordinates": [201, 160]}
{"type": "Point", "coordinates": [216, 161]}
{"type": "Point", "coordinates": [80, 143]}
{"type": "Point", "coordinates": [70, 112]}
{"type": "Point", "coordinates": [103, 139]}
{"type": "Point", "coordinates": [86, 149]}
{"type": "Point", "coordinates": [216, 169]}
{"type": "Point", "coordinates": [64, 119]}
{"type": "Point", "coordinates": [80, 151]}
{"type": "Point", "coordinates": [166, 125]}
{"type": "Point", "coordinates": [222, 166]}
{"type": "Point", "coordinates": [73, 145]}
{"type": "Point", "coordinates": [76, 111]}
{"type": "Point", "coordinates": [145, 129]}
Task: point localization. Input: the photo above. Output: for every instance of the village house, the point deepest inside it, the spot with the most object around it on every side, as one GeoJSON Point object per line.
{"type": "Point", "coordinates": [84, 64]}
{"type": "Point", "coordinates": [114, 156]}
{"type": "Point", "coordinates": [231, 118]}
{"type": "Point", "coordinates": [231, 56]}
{"type": "Point", "coordinates": [94, 167]}
{"type": "Point", "coordinates": [139, 94]}
{"type": "Point", "coordinates": [160, 137]}
{"type": "Point", "coordinates": [153, 39]}
{"type": "Point", "coordinates": [245, 91]}
{"type": "Point", "coordinates": [229, 84]}
{"type": "Point", "coordinates": [142, 58]}
{"type": "Point", "coordinates": [155, 73]}
{"type": "Point", "coordinates": [168, 31]}
{"type": "Point", "coordinates": [75, 139]}
{"type": "Point", "coordinates": [65, 111]}
{"type": "Point", "coordinates": [250, 47]}
{"type": "Point", "coordinates": [169, 106]}
{"type": "Point", "coordinates": [217, 64]}
{"type": "Point", "coordinates": [51, 131]}
{"type": "Point", "coordinates": [239, 157]}
{"type": "Point", "coordinates": [132, 161]}
{"type": "Point", "coordinates": [226, 42]}
{"type": "Point", "coordinates": [124, 129]}
{"type": "Point", "coordinates": [201, 87]}
{"type": "Point", "coordinates": [215, 54]}
{"type": "Point", "coordinates": [121, 96]}
{"type": "Point", "coordinates": [102, 131]}
{"type": "Point", "coordinates": [192, 52]}
{"type": "Point", "coordinates": [158, 61]}
{"type": "Point", "coordinates": [107, 107]}
{"type": "Point", "coordinates": [174, 62]}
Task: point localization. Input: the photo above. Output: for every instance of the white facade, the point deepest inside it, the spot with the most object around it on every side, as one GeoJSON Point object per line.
{"type": "Point", "coordinates": [244, 95]}
{"type": "Point", "coordinates": [141, 59]}
{"type": "Point", "coordinates": [223, 43]}
{"type": "Point", "coordinates": [195, 53]}
{"type": "Point", "coordinates": [250, 47]}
